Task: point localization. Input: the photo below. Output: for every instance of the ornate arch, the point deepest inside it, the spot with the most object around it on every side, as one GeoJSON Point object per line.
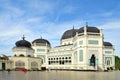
{"type": "Point", "coordinates": [34, 64]}
{"type": "Point", "coordinates": [15, 55]}
{"type": "Point", "coordinates": [108, 62]}
{"type": "Point", "coordinates": [21, 55]}
{"type": "Point", "coordinates": [19, 64]}
{"type": "Point", "coordinates": [29, 55]}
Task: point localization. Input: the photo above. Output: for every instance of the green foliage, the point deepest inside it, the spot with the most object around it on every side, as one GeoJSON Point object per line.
{"type": "Point", "coordinates": [111, 68]}
{"type": "Point", "coordinates": [117, 63]}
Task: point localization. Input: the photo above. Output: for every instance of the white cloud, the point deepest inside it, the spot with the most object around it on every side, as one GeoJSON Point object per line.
{"type": "Point", "coordinates": [69, 9]}
{"type": "Point", "coordinates": [34, 19]}
{"type": "Point", "coordinates": [15, 11]}
{"type": "Point", "coordinates": [111, 34]}
{"type": "Point", "coordinates": [107, 14]}
{"type": "Point", "coordinates": [40, 6]}
{"type": "Point", "coordinates": [13, 31]}
{"type": "Point", "coordinates": [111, 25]}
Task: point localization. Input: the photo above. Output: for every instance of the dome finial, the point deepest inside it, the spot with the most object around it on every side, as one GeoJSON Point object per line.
{"type": "Point", "coordinates": [86, 24]}
{"type": "Point", "coordinates": [23, 37]}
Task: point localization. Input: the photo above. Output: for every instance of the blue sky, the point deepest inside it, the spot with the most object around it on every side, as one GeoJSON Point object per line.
{"type": "Point", "coordinates": [51, 18]}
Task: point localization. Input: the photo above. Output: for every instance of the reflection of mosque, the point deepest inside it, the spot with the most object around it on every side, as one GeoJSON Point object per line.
{"type": "Point", "coordinates": [80, 49]}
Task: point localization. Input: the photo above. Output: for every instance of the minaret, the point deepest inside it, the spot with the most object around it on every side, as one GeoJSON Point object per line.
{"type": "Point", "coordinates": [86, 24]}
{"type": "Point", "coordinates": [73, 27]}
{"type": "Point", "coordinates": [101, 32]}
{"type": "Point", "coordinates": [85, 28]}
{"type": "Point", "coordinates": [73, 31]}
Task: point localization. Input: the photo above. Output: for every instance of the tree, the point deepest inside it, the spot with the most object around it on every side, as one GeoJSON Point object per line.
{"type": "Point", "coordinates": [117, 63]}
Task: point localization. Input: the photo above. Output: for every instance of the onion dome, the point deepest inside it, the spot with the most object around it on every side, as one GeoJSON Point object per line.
{"type": "Point", "coordinates": [89, 29]}
{"type": "Point", "coordinates": [107, 44]}
{"type": "Point", "coordinates": [23, 43]}
{"type": "Point", "coordinates": [69, 33]}
{"type": "Point", "coordinates": [41, 41]}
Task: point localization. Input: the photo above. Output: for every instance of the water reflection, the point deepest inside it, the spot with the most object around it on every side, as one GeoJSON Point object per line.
{"type": "Point", "coordinates": [59, 75]}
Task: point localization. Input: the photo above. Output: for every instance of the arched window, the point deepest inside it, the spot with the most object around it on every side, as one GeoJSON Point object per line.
{"type": "Point", "coordinates": [51, 58]}
{"type": "Point", "coordinates": [21, 55]}
{"type": "Point", "coordinates": [34, 64]}
{"type": "Point", "coordinates": [15, 55]}
{"type": "Point", "coordinates": [108, 62]}
{"type": "Point", "coordinates": [19, 64]}
{"type": "Point", "coordinates": [65, 57]}
{"type": "Point", "coordinates": [29, 55]}
{"type": "Point", "coordinates": [48, 58]}
{"type": "Point", "coordinates": [69, 57]}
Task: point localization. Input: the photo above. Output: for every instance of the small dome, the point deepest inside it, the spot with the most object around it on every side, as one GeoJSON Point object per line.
{"type": "Point", "coordinates": [69, 33]}
{"type": "Point", "coordinates": [107, 44]}
{"type": "Point", "coordinates": [43, 41]}
{"type": "Point", "coordinates": [89, 29]}
{"type": "Point", "coordinates": [23, 43]}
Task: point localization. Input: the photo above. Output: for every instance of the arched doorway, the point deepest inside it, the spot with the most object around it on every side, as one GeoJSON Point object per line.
{"type": "Point", "coordinates": [92, 60]}
{"type": "Point", "coordinates": [3, 66]}
{"type": "Point", "coordinates": [108, 62]}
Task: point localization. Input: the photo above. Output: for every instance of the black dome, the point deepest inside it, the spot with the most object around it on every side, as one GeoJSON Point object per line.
{"type": "Point", "coordinates": [69, 33]}
{"type": "Point", "coordinates": [107, 44]}
{"type": "Point", "coordinates": [23, 43]}
{"type": "Point", "coordinates": [44, 41]}
{"type": "Point", "coordinates": [89, 29]}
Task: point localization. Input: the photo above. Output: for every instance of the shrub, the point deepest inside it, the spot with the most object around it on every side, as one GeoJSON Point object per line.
{"type": "Point", "coordinates": [111, 68]}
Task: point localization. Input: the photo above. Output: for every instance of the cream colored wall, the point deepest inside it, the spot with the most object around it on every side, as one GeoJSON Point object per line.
{"type": "Point", "coordinates": [27, 61]}
{"type": "Point", "coordinates": [41, 53]}
{"type": "Point", "coordinates": [8, 64]}
{"type": "Point", "coordinates": [67, 41]}
{"type": "Point", "coordinates": [25, 51]}
{"type": "Point", "coordinates": [112, 55]}
{"type": "Point", "coordinates": [40, 47]}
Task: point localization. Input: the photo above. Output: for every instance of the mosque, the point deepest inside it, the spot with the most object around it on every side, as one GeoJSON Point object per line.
{"type": "Point", "coordinates": [79, 49]}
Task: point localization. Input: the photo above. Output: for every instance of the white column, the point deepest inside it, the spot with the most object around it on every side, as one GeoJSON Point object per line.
{"type": "Point", "coordinates": [85, 30]}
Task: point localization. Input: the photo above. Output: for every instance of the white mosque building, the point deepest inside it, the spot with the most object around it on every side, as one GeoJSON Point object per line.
{"type": "Point", "coordinates": [80, 49]}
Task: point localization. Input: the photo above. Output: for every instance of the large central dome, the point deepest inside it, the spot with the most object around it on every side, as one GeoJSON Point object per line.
{"type": "Point", "coordinates": [69, 33]}
{"type": "Point", "coordinates": [89, 29]}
